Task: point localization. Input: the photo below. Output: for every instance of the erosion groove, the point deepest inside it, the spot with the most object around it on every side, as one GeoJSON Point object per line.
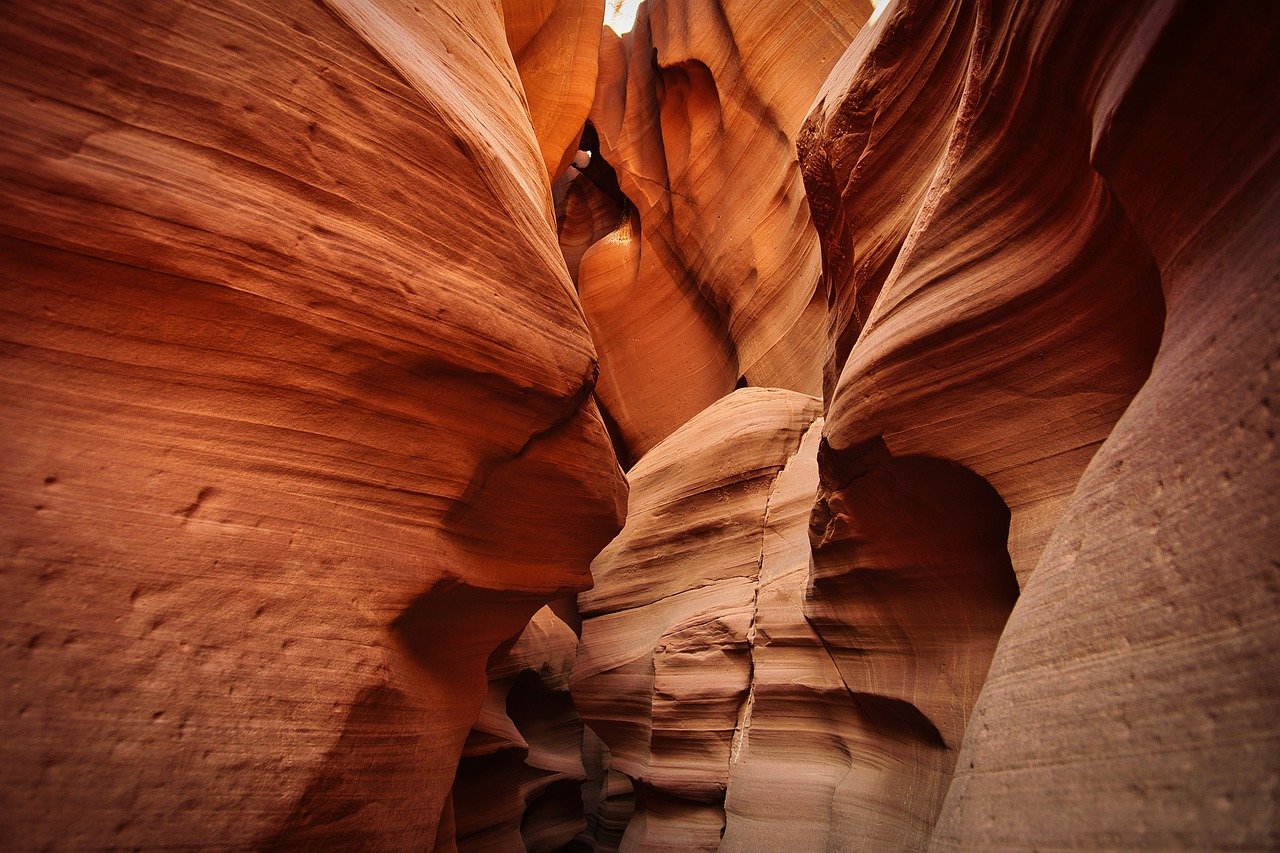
{"type": "Point", "coordinates": [639, 425]}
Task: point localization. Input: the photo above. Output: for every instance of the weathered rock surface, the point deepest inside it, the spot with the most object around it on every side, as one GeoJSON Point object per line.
{"type": "Point", "coordinates": [664, 673]}
{"type": "Point", "coordinates": [1010, 314]}
{"type": "Point", "coordinates": [714, 278]}
{"type": "Point", "coordinates": [700, 668]}
{"type": "Point", "coordinates": [258, 545]}
{"type": "Point", "coordinates": [852, 766]}
{"type": "Point", "coordinates": [304, 424]}
{"type": "Point", "coordinates": [1134, 698]}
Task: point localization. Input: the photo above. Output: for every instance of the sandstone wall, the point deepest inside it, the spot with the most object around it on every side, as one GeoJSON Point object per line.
{"type": "Point", "coordinates": [1023, 213]}
{"type": "Point", "coordinates": [935, 345]}
{"type": "Point", "coordinates": [258, 544]}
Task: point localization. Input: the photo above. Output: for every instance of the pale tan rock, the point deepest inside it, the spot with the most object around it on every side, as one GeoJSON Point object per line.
{"type": "Point", "coordinates": [799, 723]}
{"type": "Point", "coordinates": [700, 669]}
{"type": "Point", "coordinates": [823, 761]}
{"type": "Point", "coordinates": [259, 282]}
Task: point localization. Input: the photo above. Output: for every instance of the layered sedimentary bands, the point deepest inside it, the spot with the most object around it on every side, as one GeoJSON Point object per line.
{"type": "Point", "coordinates": [786, 425]}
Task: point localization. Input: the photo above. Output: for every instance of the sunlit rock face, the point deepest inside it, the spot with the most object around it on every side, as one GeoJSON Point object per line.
{"type": "Point", "coordinates": [258, 542]}
{"type": "Point", "coordinates": [556, 46]}
{"type": "Point", "coordinates": [936, 346]}
{"type": "Point", "coordinates": [713, 276]}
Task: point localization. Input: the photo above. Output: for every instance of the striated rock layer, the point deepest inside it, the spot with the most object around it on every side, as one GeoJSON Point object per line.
{"type": "Point", "coordinates": [698, 669]}
{"type": "Point", "coordinates": [307, 446]}
{"type": "Point", "coordinates": [663, 674]}
{"type": "Point", "coordinates": [556, 46]}
{"type": "Point", "coordinates": [1134, 698]}
{"type": "Point", "coordinates": [997, 294]}
{"type": "Point", "coordinates": [258, 546]}
{"type": "Point", "coordinates": [1007, 315]}
{"type": "Point", "coordinates": [712, 278]}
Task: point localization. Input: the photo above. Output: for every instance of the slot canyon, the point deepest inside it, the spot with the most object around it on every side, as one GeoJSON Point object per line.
{"type": "Point", "coordinates": [601, 425]}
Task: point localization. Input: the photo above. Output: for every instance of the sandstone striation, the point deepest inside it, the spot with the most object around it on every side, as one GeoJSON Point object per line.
{"type": "Point", "coordinates": [936, 346]}
{"type": "Point", "coordinates": [1042, 285]}
{"type": "Point", "coordinates": [1148, 636]}
{"type": "Point", "coordinates": [258, 547]}
{"type": "Point", "coordinates": [713, 278]}
{"type": "Point", "coordinates": [664, 671]}
{"type": "Point", "coordinates": [556, 46]}
{"type": "Point", "coordinates": [1012, 313]}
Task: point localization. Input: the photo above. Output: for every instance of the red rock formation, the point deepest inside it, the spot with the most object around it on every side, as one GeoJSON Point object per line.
{"type": "Point", "coordinates": [1001, 316]}
{"type": "Point", "coordinates": [556, 46]}
{"type": "Point", "coordinates": [1010, 347]}
{"type": "Point", "coordinates": [1134, 698]}
{"type": "Point", "coordinates": [713, 279]}
{"type": "Point", "coordinates": [305, 421]}
{"type": "Point", "coordinates": [664, 672]}
{"type": "Point", "coordinates": [258, 543]}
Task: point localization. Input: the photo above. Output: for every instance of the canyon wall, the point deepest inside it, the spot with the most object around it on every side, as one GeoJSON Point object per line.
{"type": "Point", "coordinates": [1014, 270]}
{"type": "Point", "coordinates": [1135, 695]}
{"type": "Point", "coordinates": [780, 426]}
{"type": "Point", "coordinates": [258, 545]}
{"type": "Point", "coordinates": [711, 279]}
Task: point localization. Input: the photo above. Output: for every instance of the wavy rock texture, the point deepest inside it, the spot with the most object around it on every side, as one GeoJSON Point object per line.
{"type": "Point", "coordinates": [258, 545]}
{"type": "Point", "coordinates": [1018, 311]}
{"type": "Point", "coordinates": [307, 440]}
{"type": "Point", "coordinates": [991, 322]}
{"type": "Point", "coordinates": [1146, 640]}
{"type": "Point", "coordinates": [556, 46]}
{"type": "Point", "coordinates": [664, 673]}
{"type": "Point", "coordinates": [592, 207]}
{"type": "Point", "coordinates": [714, 277]}
{"type": "Point", "coordinates": [519, 784]}
{"type": "Point", "coordinates": [850, 759]}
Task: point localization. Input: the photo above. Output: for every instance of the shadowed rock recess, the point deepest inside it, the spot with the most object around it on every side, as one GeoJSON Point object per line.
{"type": "Point", "coordinates": [486, 425]}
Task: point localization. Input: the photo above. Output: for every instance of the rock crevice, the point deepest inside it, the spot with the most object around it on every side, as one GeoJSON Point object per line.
{"type": "Point", "coordinates": [786, 425]}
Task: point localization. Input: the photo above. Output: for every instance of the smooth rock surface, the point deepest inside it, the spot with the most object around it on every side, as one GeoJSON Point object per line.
{"type": "Point", "coordinates": [334, 332]}
{"type": "Point", "coordinates": [258, 546]}
{"type": "Point", "coordinates": [556, 46]}
{"type": "Point", "coordinates": [1019, 311]}
{"type": "Point", "coordinates": [1134, 698]}
{"type": "Point", "coordinates": [697, 109]}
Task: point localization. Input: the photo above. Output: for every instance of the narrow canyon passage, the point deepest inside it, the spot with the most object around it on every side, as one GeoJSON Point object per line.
{"type": "Point", "coordinates": [583, 425]}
